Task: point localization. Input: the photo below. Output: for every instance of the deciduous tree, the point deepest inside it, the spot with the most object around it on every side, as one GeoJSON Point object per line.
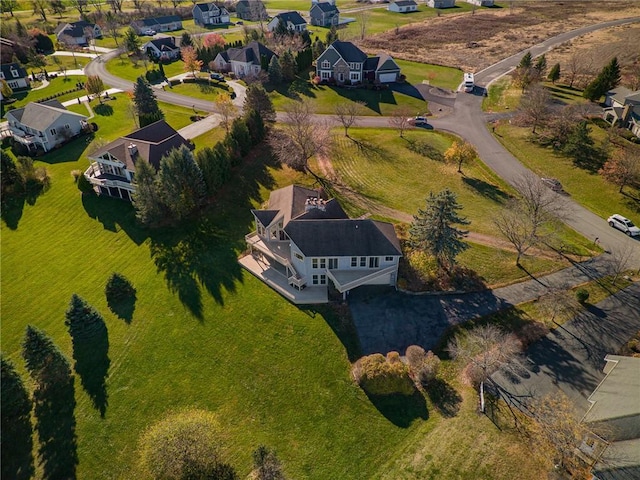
{"type": "Point", "coordinates": [40, 8]}
{"type": "Point", "coordinates": [378, 375]}
{"type": "Point", "coordinates": [112, 25]}
{"type": "Point", "coordinates": [80, 5]}
{"type": "Point", "coordinates": [623, 168]}
{"type": "Point", "coordinates": [534, 106]}
{"type": "Point", "coordinates": [347, 113]}
{"type": "Point", "coordinates": [190, 59]}
{"type": "Point", "coordinates": [8, 6]}
{"type": "Point", "coordinates": [459, 153]}
{"type": "Point", "coordinates": [57, 7]}
{"type": "Point", "coordinates": [226, 109]}
{"type": "Point", "coordinates": [213, 40]}
{"type": "Point", "coordinates": [400, 120]}
{"type": "Point", "coordinates": [94, 86]}
{"type": "Point", "coordinates": [433, 229]}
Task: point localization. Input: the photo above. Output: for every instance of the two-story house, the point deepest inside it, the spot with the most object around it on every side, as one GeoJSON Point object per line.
{"type": "Point", "coordinates": [622, 108]}
{"type": "Point", "coordinates": [113, 166]}
{"type": "Point", "coordinates": [164, 48]}
{"type": "Point", "coordinates": [15, 76]}
{"type": "Point", "coordinates": [324, 14]}
{"type": "Point", "coordinates": [252, 10]}
{"type": "Point", "coordinates": [44, 126]}
{"type": "Point", "coordinates": [303, 241]}
{"type": "Point", "coordinates": [77, 33]}
{"type": "Point", "coordinates": [168, 23]}
{"type": "Point", "coordinates": [344, 62]}
{"type": "Point", "coordinates": [244, 61]}
{"type": "Point", "coordinates": [207, 14]}
{"type": "Point", "coordinates": [292, 21]}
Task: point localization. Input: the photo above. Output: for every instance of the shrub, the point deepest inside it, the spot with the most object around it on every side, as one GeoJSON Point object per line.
{"type": "Point", "coordinates": [76, 174]}
{"type": "Point", "coordinates": [378, 376]}
{"type": "Point", "coordinates": [118, 288]}
{"type": "Point", "coordinates": [582, 295]}
{"type": "Point", "coordinates": [423, 365]}
{"type": "Point", "coordinates": [84, 185]}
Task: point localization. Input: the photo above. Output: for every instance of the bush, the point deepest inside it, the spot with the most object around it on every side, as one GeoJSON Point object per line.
{"type": "Point", "coordinates": [422, 365]}
{"type": "Point", "coordinates": [119, 288]}
{"type": "Point", "coordinates": [76, 174]}
{"type": "Point", "coordinates": [378, 375]}
{"type": "Point", "coordinates": [582, 295]}
{"type": "Point", "coordinates": [84, 185]}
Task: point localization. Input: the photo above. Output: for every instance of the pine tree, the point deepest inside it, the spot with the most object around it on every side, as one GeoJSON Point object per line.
{"type": "Point", "coordinates": [258, 99]}
{"type": "Point", "coordinates": [288, 66]}
{"type": "Point", "coordinates": [611, 74]}
{"type": "Point", "coordinates": [526, 61]}
{"type": "Point", "coordinates": [266, 465]}
{"type": "Point", "coordinates": [255, 124]}
{"type": "Point", "coordinates": [182, 187]}
{"type": "Point", "coordinates": [241, 135]}
{"type": "Point", "coordinates": [146, 200]}
{"type": "Point", "coordinates": [541, 65]}
{"type": "Point", "coordinates": [332, 35]}
{"type": "Point", "coordinates": [318, 48]}
{"type": "Point", "coordinates": [433, 229]}
{"type": "Point", "coordinates": [145, 103]}
{"type": "Point", "coordinates": [185, 40]}
{"type": "Point", "coordinates": [131, 41]}
{"type": "Point", "coordinates": [82, 320]}
{"type": "Point", "coordinates": [554, 74]}
{"type": "Point", "coordinates": [275, 71]}
{"type": "Point", "coordinates": [161, 69]}
{"type": "Point", "coordinates": [579, 145]}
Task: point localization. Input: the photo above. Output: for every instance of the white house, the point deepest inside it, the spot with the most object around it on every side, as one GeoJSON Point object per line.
{"type": "Point", "coordinates": [481, 3]}
{"type": "Point", "coordinates": [163, 48]}
{"type": "Point", "coordinates": [304, 242]}
{"type": "Point", "coordinates": [113, 166]}
{"type": "Point", "coordinates": [622, 108]}
{"type": "Point", "coordinates": [167, 23]}
{"type": "Point", "coordinates": [15, 76]}
{"type": "Point", "coordinates": [403, 6]}
{"type": "Point", "coordinates": [44, 126]}
{"type": "Point", "coordinates": [77, 33]}
{"type": "Point", "coordinates": [293, 21]}
{"type": "Point", "coordinates": [441, 3]}
{"type": "Point", "coordinates": [205, 14]}
{"type": "Point", "coordinates": [244, 61]}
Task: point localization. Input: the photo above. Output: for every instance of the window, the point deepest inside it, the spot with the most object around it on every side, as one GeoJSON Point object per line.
{"type": "Point", "coordinates": [325, 75]}
{"type": "Point", "coordinates": [353, 66]}
{"type": "Point", "coordinates": [319, 279]}
{"type": "Point", "coordinates": [363, 261]}
{"type": "Point", "coordinates": [15, 73]}
{"type": "Point", "coordinates": [13, 84]}
{"type": "Point", "coordinates": [333, 263]}
{"type": "Point", "coordinates": [314, 263]}
{"type": "Point", "coordinates": [326, 64]}
{"type": "Point", "coordinates": [354, 261]}
{"type": "Point", "coordinates": [67, 126]}
{"type": "Point", "coordinates": [298, 256]}
{"type": "Point", "coordinates": [388, 259]}
{"type": "Point", "coordinates": [323, 263]}
{"type": "Point", "coordinates": [374, 262]}
{"type": "Point", "coordinates": [355, 76]}
{"type": "Point", "coordinates": [53, 131]}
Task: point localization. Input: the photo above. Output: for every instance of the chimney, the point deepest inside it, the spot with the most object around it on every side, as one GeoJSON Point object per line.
{"type": "Point", "coordinates": [626, 114]}
{"type": "Point", "coordinates": [133, 149]}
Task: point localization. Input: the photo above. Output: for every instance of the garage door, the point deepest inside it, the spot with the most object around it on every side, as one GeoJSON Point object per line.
{"type": "Point", "coordinates": [388, 77]}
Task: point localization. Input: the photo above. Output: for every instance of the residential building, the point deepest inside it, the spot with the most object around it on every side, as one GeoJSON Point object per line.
{"type": "Point", "coordinates": [113, 166]}
{"type": "Point", "coordinates": [15, 76]}
{"type": "Point", "coordinates": [44, 126]}
{"type": "Point", "coordinates": [303, 242]}
{"type": "Point", "coordinates": [403, 6]}
{"type": "Point", "coordinates": [244, 61]}
{"type": "Point", "coordinates": [252, 10]}
{"type": "Point", "coordinates": [441, 3]}
{"type": "Point", "coordinates": [614, 413]}
{"type": "Point", "coordinates": [324, 14]}
{"type": "Point", "coordinates": [210, 14]}
{"type": "Point", "coordinates": [293, 21]}
{"type": "Point", "coordinates": [164, 48]}
{"type": "Point", "coordinates": [344, 62]}
{"type": "Point", "coordinates": [623, 109]}
{"type": "Point", "coordinates": [481, 3]}
{"type": "Point", "coordinates": [168, 23]}
{"type": "Point", "coordinates": [77, 33]}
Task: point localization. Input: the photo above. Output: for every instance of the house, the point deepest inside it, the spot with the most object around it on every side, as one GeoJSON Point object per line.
{"type": "Point", "coordinates": [622, 108]}
{"type": "Point", "coordinates": [113, 166]}
{"type": "Point", "coordinates": [248, 60]}
{"type": "Point", "coordinates": [324, 14]}
{"type": "Point", "coordinates": [403, 6]}
{"type": "Point", "coordinates": [252, 10]}
{"type": "Point", "coordinates": [344, 62]}
{"type": "Point", "coordinates": [205, 14]}
{"type": "Point", "coordinates": [15, 76]}
{"type": "Point", "coordinates": [293, 21]}
{"type": "Point", "coordinates": [44, 126]}
{"type": "Point", "coordinates": [441, 3]}
{"type": "Point", "coordinates": [77, 33]}
{"type": "Point", "coordinates": [164, 48]}
{"type": "Point", "coordinates": [158, 24]}
{"type": "Point", "coordinates": [481, 3]}
{"type": "Point", "coordinates": [614, 413]}
{"type": "Point", "coordinates": [303, 242]}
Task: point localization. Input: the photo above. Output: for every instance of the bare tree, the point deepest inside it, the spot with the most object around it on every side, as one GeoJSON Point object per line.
{"type": "Point", "coordinates": [112, 25]}
{"type": "Point", "coordinates": [40, 8]}
{"type": "Point", "coordinates": [632, 76]}
{"type": "Point", "coordinates": [300, 137]}
{"type": "Point", "coordinates": [557, 305]}
{"type": "Point", "coordinates": [138, 4]}
{"type": "Point", "coordinates": [363, 22]}
{"type": "Point", "coordinates": [623, 168]}
{"type": "Point", "coordinates": [534, 107]}
{"type": "Point", "coordinates": [175, 3]}
{"type": "Point", "coordinates": [621, 260]}
{"type": "Point", "coordinates": [226, 109]}
{"type": "Point", "coordinates": [348, 113]}
{"type": "Point", "coordinates": [97, 4]}
{"type": "Point", "coordinates": [116, 5]}
{"type": "Point", "coordinates": [80, 5]}
{"type": "Point", "coordinates": [483, 350]}
{"type": "Point", "coordinates": [400, 120]}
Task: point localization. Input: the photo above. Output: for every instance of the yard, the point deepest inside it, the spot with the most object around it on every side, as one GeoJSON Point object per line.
{"type": "Point", "coordinates": [123, 67]}
{"type": "Point", "coordinates": [56, 85]}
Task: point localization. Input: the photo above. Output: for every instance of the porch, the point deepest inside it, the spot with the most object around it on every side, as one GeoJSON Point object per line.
{"type": "Point", "coordinates": [346, 280]}
{"type": "Point", "coordinates": [274, 275]}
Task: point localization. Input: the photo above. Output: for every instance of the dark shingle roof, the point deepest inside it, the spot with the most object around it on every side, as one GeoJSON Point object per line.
{"type": "Point", "coordinates": [349, 52]}
{"type": "Point", "coordinates": [8, 67]}
{"type": "Point", "coordinates": [251, 53]}
{"type": "Point", "coordinates": [378, 63]}
{"type": "Point", "coordinates": [75, 29]}
{"type": "Point", "coordinates": [326, 7]}
{"type": "Point", "coordinates": [344, 237]}
{"type": "Point", "coordinates": [405, 3]}
{"type": "Point", "coordinates": [165, 43]}
{"type": "Point", "coordinates": [265, 216]}
{"type": "Point", "coordinates": [152, 22]}
{"type": "Point", "coordinates": [293, 17]}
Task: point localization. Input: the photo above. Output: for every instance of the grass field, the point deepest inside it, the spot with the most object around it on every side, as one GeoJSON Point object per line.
{"type": "Point", "coordinates": [204, 91]}
{"type": "Point", "coordinates": [503, 95]}
{"type": "Point", "coordinates": [436, 75]}
{"type": "Point", "coordinates": [56, 85]}
{"type": "Point", "coordinates": [123, 67]}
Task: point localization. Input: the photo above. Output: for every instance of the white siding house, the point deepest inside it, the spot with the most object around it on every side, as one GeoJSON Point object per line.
{"type": "Point", "coordinates": [441, 3]}
{"type": "Point", "coordinates": [15, 76]}
{"type": "Point", "coordinates": [403, 6]}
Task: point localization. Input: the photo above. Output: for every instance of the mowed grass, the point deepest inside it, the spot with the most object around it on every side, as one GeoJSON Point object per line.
{"type": "Point", "coordinates": [585, 187]}
{"type": "Point", "coordinates": [56, 85]}
{"type": "Point", "coordinates": [503, 95]}
{"type": "Point", "coordinates": [205, 91]}
{"type": "Point", "coordinates": [123, 67]}
{"type": "Point", "coordinates": [436, 75]}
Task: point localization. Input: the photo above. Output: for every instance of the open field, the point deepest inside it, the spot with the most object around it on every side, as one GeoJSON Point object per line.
{"type": "Point", "coordinates": [436, 75]}
{"type": "Point", "coordinates": [123, 67]}
{"type": "Point", "coordinates": [472, 42]}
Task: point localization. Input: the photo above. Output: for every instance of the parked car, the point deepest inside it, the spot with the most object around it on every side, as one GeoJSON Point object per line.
{"type": "Point", "coordinates": [418, 121]}
{"type": "Point", "coordinates": [553, 183]}
{"type": "Point", "coordinates": [623, 224]}
{"type": "Point", "coordinates": [217, 76]}
{"type": "Point", "coordinates": [149, 32]}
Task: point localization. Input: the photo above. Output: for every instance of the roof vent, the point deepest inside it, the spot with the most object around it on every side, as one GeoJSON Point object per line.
{"type": "Point", "coordinates": [133, 149]}
{"type": "Point", "coordinates": [314, 202]}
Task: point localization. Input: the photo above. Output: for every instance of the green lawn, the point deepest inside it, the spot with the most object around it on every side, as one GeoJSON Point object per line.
{"type": "Point", "coordinates": [66, 61]}
{"type": "Point", "coordinates": [503, 95]}
{"type": "Point", "coordinates": [436, 75]}
{"type": "Point", "coordinates": [56, 85]}
{"type": "Point", "coordinates": [326, 98]}
{"type": "Point", "coordinates": [123, 67]}
{"type": "Point", "coordinates": [588, 189]}
{"type": "Point", "coordinates": [303, 5]}
{"type": "Point", "coordinates": [204, 91]}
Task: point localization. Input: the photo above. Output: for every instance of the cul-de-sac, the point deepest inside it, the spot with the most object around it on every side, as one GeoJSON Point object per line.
{"type": "Point", "coordinates": [320, 239]}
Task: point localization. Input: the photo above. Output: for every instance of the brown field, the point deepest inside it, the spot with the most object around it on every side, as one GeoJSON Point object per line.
{"type": "Point", "coordinates": [473, 42]}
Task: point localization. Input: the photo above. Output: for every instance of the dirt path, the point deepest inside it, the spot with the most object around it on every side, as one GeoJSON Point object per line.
{"type": "Point", "coordinates": [374, 208]}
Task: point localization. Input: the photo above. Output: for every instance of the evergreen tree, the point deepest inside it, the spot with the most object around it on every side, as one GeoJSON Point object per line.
{"type": "Point", "coordinates": [256, 126]}
{"type": "Point", "coordinates": [580, 146]}
{"type": "Point", "coordinates": [241, 135]}
{"type": "Point", "coordinates": [554, 73]}
{"type": "Point", "coordinates": [258, 99]}
{"type": "Point", "coordinates": [161, 69]}
{"type": "Point", "coordinates": [266, 465]}
{"type": "Point", "coordinates": [16, 432]}
{"type": "Point", "coordinates": [332, 35]}
{"type": "Point", "coordinates": [182, 187]}
{"type": "Point", "coordinates": [433, 229]}
{"type": "Point", "coordinates": [541, 65]}
{"type": "Point", "coordinates": [318, 48]}
{"type": "Point", "coordinates": [145, 103]}
{"type": "Point", "coordinates": [526, 61]}
{"type": "Point", "coordinates": [131, 41]}
{"type": "Point", "coordinates": [82, 320]}
{"type": "Point", "coordinates": [9, 174]}
{"type": "Point", "coordinates": [146, 200]}
{"type": "Point", "coordinates": [185, 40]}
{"type": "Point", "coordinates": [275, 72]}
{"type": "Point", "coordinates": [611, 74]}
{"type": "Point", "coordinates": [288, 66]}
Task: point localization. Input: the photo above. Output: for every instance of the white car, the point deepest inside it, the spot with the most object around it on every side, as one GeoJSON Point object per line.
{"type": "Point", "coordinates": [623, 224]}
{"type": "Point", "coordinates": [418, 121]}
{"type": "Point", "coordinates": [149, 32]}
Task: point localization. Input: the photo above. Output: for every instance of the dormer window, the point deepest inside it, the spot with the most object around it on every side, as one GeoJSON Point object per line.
{"type": "Point", "coordinates": [326, 64]}
{"type": "Point", "coordinates": [15, 73]}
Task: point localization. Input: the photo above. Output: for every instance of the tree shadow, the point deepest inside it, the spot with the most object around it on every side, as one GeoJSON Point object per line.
{"type": "Point", "coordinates": [487, 190]}
{"type": "Point", "coordinates": [69, 152]}
{"type": "Point", "coordinates": [338, 317]}
{"type": "Point", "coordinates": [103, 109]}
{"type": "Point", "coordinates": [123, 308]}
{"type": "Point", "coordinates": [13, 202]}
{"type": "Point", "coordinates": [114, 214]}
{"type": "Point", "coordinates": [91, 355]}
{"type": "Point", "coordinates": [425, 149]}
{"type": "Point", "coordinates": [370, 150]}
{"type": "Point", "coordinates": [401, 410]}
{"type": "Point", "coordinates": [17, 432]}
{"type": "Point", "coordinates": [372, 99]}
{"type": "Point", "coordinates": [444, 397]}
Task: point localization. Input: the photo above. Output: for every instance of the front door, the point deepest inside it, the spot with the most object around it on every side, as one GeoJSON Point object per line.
{"type": "Point", "coordinates": [341, 77]}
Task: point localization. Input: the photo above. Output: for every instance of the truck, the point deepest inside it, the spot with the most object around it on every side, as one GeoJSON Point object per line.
{"type": "Point", "coordinates": [468, 82]}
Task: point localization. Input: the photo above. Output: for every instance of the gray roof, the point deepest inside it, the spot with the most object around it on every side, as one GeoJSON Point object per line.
{"type": "Point", "coordinates": [74, 29]}
{"type": "Point", "coordinates": [165, 43]}
{"type": "Point", "coordinates": [326, 7]}
{"type": "Point", "coordinates": [152, 22]}
{"type": "Point", "coordinates": [248, 54]}
{"type": "Point", "coordinates": [40, 116]}
{"type": "Point", "coordinates": [349, 52]}
{"type": "Point", "coordinates": [290, 200]}
{"type": "Point", "coordinates": [153, 142]}
{"type": "Point", "coordinates": [6, 69]}
{"type": "Point", "coordinates": [382, 62]}
{"type": "Point", "coordinates": [405, 3]}
{"type": "Point", "coordinates": [205, 7]}
{"type": "Point", "coordinates": [293, 17]}
{"type": "Point", "coordinates": [620, 461]}
{"type": "Point", "coordinates": [265, 217]}
{"type": "Point", "coordinates": [344, 237]}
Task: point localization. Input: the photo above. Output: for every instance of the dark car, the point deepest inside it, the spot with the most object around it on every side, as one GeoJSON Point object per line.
{"type": "Point", "coordinates": [553, 184]}
{"type": "Point", "coordinates": [217, 76]}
